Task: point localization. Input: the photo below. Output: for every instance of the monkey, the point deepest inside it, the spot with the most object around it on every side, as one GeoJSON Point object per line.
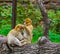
{"type": "Point", "coordinates": [27, 33]}
{"type": "Point", "coordinates": [14, 37]}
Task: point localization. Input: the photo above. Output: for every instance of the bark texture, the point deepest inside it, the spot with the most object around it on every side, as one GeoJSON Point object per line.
{"type": "Point", "coordinates": [45, 17]}
{"type": "Point", "coordinates": [44, 46]}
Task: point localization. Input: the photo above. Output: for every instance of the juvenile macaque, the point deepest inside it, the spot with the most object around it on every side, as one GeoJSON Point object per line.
{"type": "Point", "coordinates": [14, 37]}
{"type": "Point", "coordinates": [27, 30]}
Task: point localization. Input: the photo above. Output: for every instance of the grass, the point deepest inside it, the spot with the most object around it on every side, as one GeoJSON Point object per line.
{"type": "Point", "coordinates": [53, 37]}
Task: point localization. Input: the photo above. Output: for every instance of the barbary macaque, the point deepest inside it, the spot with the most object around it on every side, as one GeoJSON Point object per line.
{"type": "Point", "coordinates": [14, 37]}
{"type": "Point", "coordinates": [28, 28]}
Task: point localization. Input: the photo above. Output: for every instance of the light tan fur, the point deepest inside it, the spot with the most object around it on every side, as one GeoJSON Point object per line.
{"type": "Point", "coordinates": [28, 30]}
{"type": "Point", "coordinates": [14, 37]}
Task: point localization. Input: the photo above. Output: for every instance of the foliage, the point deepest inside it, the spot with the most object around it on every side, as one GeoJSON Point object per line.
{"type": "Point", "coordinates": [5, 18]}
{"type": "Point", "coordinates": [55, 21]}
{"type": "Point", "coordinates": [37, 32]}
{"type": "Point", "coordinates": [52, 36]}
{"type": "Point", "coordinates": [5, 29]}
{"type": "Point", "coordinates": [27, 10]}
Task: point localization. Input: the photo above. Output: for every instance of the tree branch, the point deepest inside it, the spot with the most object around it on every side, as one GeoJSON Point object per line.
{"type": "Point", "coordinates": [45, 17]}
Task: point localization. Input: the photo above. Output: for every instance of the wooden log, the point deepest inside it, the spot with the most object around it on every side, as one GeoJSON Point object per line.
{"type": "Point", "coordinates": [43, 48]}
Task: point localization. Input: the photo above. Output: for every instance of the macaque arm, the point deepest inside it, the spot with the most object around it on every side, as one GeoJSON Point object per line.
{"type": "Point", "coordinates": [16, 41]}
{"type": "Point", "coordinates": [25, 41]}
{"type": "Point", "coordinates": [20, 37]}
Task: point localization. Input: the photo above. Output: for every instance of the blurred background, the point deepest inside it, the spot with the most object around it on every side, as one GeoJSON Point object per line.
{"type": "Point", "coordinates": [29, 9]}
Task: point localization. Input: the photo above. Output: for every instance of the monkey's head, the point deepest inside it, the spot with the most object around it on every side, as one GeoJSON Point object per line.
{"type": "Point", "coordinates": [19, 27]}
{"type": "Point", "coordinates": [27, 21]}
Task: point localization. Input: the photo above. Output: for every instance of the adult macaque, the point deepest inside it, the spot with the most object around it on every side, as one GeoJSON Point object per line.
{"type": "Point", "coordinates": [27, 30]}
{"type": "Point", "coordinates": [14, 37]}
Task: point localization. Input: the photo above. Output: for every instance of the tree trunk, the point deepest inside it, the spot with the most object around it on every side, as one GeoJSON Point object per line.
{"type": "Point", "coordinates": [14, 11]}
{"type": "Point", "coordinates": [45, 17]}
